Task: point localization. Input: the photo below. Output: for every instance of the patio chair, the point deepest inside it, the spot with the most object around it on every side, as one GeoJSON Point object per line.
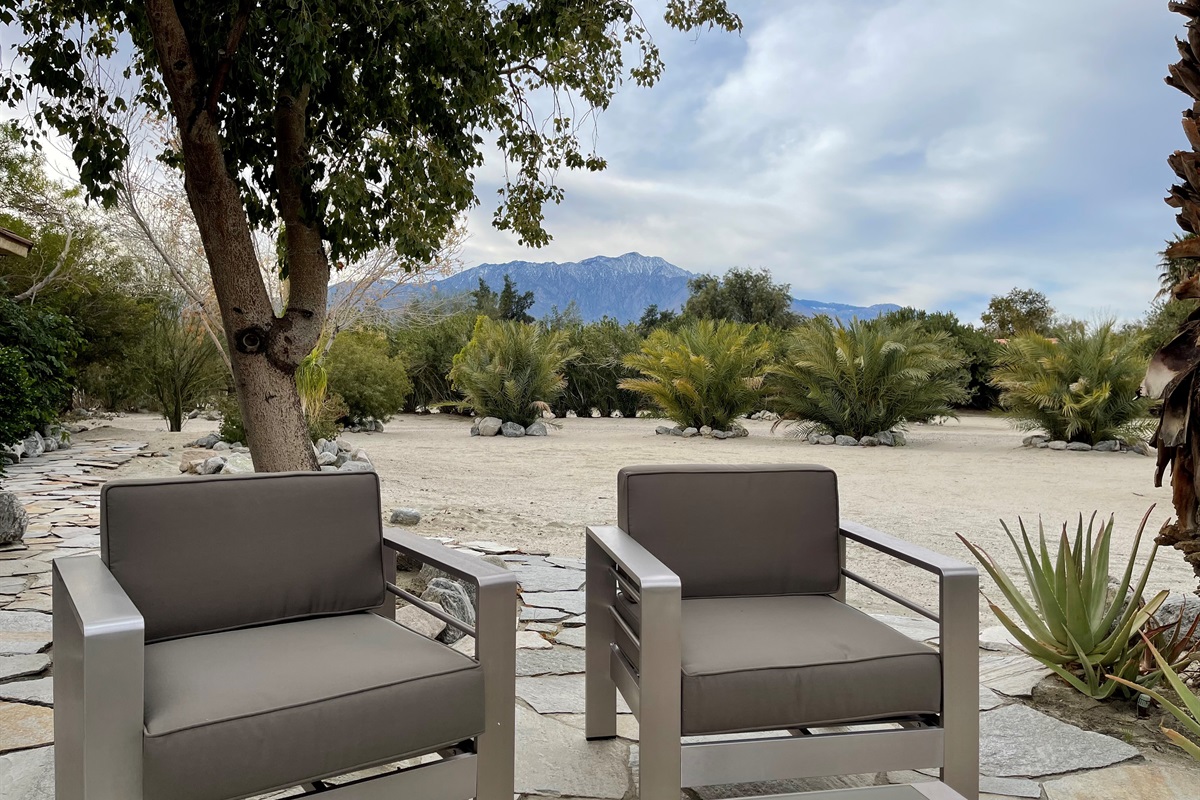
{"type": "Point", "coordinates": [233, 639]}
{"type": "Point", "coordinates": [717, 606]}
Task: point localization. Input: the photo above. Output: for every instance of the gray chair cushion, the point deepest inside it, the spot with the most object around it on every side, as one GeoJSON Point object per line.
{"type": "Point", "coordinates": [198, 555]}
{"type": "Point", "coordinates": [736, 530]}
{"type": "Point", "coordinates": [769, 663]}
{"type": "Point", "coordinates": [247, 711]}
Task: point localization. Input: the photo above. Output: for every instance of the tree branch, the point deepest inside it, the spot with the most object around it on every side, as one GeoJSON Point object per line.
{"type": "Point", "coordinates": [32, 291]}
{"type": "Point", "coordinates": [225, 61]}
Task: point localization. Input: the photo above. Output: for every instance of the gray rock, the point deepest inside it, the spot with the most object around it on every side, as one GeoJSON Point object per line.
{"type": "Point", "coordinates": [826, 439]}
{"type": "Point", "coordinates": [568, 563]}
{"type": "Point", "coordinates": [33, 445]}
{"type": "Point", "coordinates": [538, 428]}
{"type": "Point", "coordinates": [329, 468]}
{"type": "Point", "coordinates": [677, 431]}
{"type": "Point", "coordinates": [28, 774]}
{"type": "Point", "coordinates": [490, 426]}
{"type": "Point", "coordinates": [1153, 781]}
{"type": "Point", "coordinates": [1181, 608]}
{"type": "Point", "coordinates": [706, 431]}
{"type": "Point", "coordinates": [1079, 447]}
{"type": "Point", "coordinates": [1042, 445]}
{"type": "Point", "coordinates": [405, 516]}
{"type": "Point", "coordinates": [20, 666]}
{"type": "Point", "coordinates": [222, 446]}
{"type": "Point", "coordinates": [512, 430]}
{"type": "Point", "coordinates": [1142, 449]}
{"type": "Point", "coordinates": [212, 465]}
{"type": "Point", "coordinates": [558, 694]}
{"type": "Point", "coordinates": [1017, 741]}
{"type": "Point", "coordinates": [40, 691]}
{"type": "Point", "coordinates": [550, 761]}
{"type": "Point", "coordinates": [722, 435]}
{"type": "Point", "coordinates": [690, 432]}
{"type": "Point", "coordinates": [1033, 440]}
{"type": "Point", "coordinates": [1108, 446]}
{"type": "Point", "coordinates": [1057, 445]}
{"type": "Point", "coordinates": [571, 602]}
{"type": "Point", "coordinates": [422, 622]}
{"type": "Point", "coordinates": [572, 637]}
{"type": "Point", "coordinates": [50, 443]}
{"type": "Point", "coordinates": [662, 430]}
{"type": "Point", "coordinates": [325, 459]}
{"type": "Point", "coordinates": [1012, 675]}
{"type": "Point", "coordinates": [886, 438]}
{"type": "Point", "coordinates": [529, 614]}
{"type": "Point", "coordinates": [207, 442]}
{"type": "Point", "coordinates": [845, 441]}
{"type": "Point", "coordinates": [813, 438]}
{"type": "Point", "coordinates": [238, 463]}
{"type": "Point", "coordinates": [13, 519]}
{"type": "Point", "coordinates": [356, 466]}
{"type": "Point", "coordinates": [328, 447]}
{"type": "Point", "coordinates": [360, 455]}
{"type": "Point", "coordinates": [869, 441]}
{"type": "Point", "coordinates": [455, 601]}
{"type": "Point", "coordinates": [900, 439]}
{"type": "Point", "coordinates": [343, 446]}
{"type": "Point", "coordinates": [548, 579]}
{"type": "Point", "coordinates": [558, 661]}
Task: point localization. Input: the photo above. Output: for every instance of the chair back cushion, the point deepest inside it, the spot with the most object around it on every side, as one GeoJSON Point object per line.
{"type": "Point", "coordinates": [736, 530]}
{"type": "Point", "coordinates": [199, 555]}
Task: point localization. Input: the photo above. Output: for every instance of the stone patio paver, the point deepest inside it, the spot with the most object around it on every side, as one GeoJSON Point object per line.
{"type": "Point", "coordinates": [556, 661]}
{"type": "Point", "coordinates": [40, 691]}
{"type": "Point", "coordinates": [1018, 741]}
{"type": "Point", "coordinates": [24, 726]}
{"type": "Point", "coordinates": [1012, 675]}
{"type": "Point", "coordinates": [553, 759]}
{"type": "Point", "coordinates": [24, 632]}
{"type": "Point", "coordinates": [571, 602]}
{"type": "Point", "coordinates": [558, 694]}
{"type": "Point", "coordinates": [1134, 782]}
{"type": "Point", "coordinates": [573, 637]}
{"type": "Point", "coordinates": [22, 666]}
{"type": "Point", "coordinates": [27, 774]}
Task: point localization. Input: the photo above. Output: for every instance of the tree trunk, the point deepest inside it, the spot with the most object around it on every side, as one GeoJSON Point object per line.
{"type": "Point", "coordinates": [265, 349]}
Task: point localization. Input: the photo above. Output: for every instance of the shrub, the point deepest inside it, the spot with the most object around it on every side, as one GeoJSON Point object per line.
{"type": "Point", "coordinates": [511, 370]}
{"type": "Point", "coordinates": [428, 348]}
{"type": "Point", "coordinates": [977, 347]}
{"type": "Point", "coordinates": [1082, 387]}
{"type": "Point", "coordinates": [46, 343]}
{"type": "Point", "coordinates": [1189, 715]}
{"type": "Point", "coordinates": [709, 373]}
{"type": "Point", "coordinates": [594, 377]}
{"type": "Point", "coordinates": [372, 383]}
{"type": "Point", "coordinates": [18, 414]}
{"type": "Point", "coordinates": [179, 365]}
{"type": "Point", "coordinates": [1075, 624]}
{"type": "Point", "coordinates": [863, 378]}
{"type": "Point", "coordinates": [232, 429]}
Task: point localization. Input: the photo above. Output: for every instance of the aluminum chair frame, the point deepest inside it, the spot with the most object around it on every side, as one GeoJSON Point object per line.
{"type": "Point", "coordinates": [99, 640]}
{"type": "Point", "coordinates": [615, 559]}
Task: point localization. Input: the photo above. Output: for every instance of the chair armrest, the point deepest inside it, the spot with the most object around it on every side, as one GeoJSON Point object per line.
{"type": "Point", "coordinates": [99, 682]}
{"type": "Point", "coordinates": [915, 554]}
{"type": "Point", "coordinates": [469, 568]}
{"type": "Point", "coordinates": [633, 559]}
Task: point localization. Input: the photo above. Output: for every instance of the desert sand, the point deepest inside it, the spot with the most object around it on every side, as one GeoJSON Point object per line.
{"type": "Point", "coordinates": [538, 493]}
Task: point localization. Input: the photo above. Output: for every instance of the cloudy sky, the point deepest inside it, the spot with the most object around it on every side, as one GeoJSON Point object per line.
{"type": "Point", "coordinates": [923, 152]}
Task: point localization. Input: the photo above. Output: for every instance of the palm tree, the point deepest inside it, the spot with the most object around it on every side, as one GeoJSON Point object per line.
{"type": "Point", "coordinates": [1081, 387]}
{"type": "Point", "coordinates": [865, 377]}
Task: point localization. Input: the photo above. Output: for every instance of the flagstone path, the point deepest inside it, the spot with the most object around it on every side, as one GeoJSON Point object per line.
{"type": "Point", "coordinates": [1024, 753]}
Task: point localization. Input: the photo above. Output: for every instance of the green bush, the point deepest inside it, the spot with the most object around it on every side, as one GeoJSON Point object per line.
{"type": "Point", "coordinates": [18, 413]}
{"type": "Point", "coordinates": [428, 343]}
{"type": "Point", "coordinates": [865, 377]}
{"type": "Point", "coordinates": [511, 370]}
{"type": "Point", "coordinates": [232, 429]}
{"type": "Point", "coordinates": [977, 347]}
{"type": "Point", "coordinates": [594, 377]}
{"type": "Point", "coordinates": [1082, 387]}
{"type": "Point", "coordinates": [372, 383]}
{"type": "Point", "coordinates": [709, 373]}
{"type": "Point", "coordinates": [46, 343]}
{"type": "Point", "coordinates": [179, 365]}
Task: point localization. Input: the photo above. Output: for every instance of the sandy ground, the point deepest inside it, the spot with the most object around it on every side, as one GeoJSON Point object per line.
{"type": "Point", "coordinates": [539, 493]}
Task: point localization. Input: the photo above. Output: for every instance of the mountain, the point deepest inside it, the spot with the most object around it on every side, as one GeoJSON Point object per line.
{"type": "Point", "coordinates": [618, 287]}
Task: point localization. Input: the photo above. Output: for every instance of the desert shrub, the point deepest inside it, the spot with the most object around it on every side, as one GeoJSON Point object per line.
{"type": "Point", "coordinates": [373, 383]}
{"type": "Point", "coordinates": [46, 343]}
{"type": "Point", "coordinates": [708, 373]}
{"type": "Point", "coordinates": [18, 414]}
{"type": "Point", "coordinates": [977, 347]}
{"type": "Point", "coordinates": [428, 343]}
{"type": "Point", "coordinates": [511, 370]}
{"type": "Point", "coordinates": [179, 365]}
{"type": "Point", "coordinates": [594, 377]}
{"type": "Point", "coordinates": [864, 377]}
{"type": "Point", "coordinates": [232, 429]}
{"type": "Point", "coordinates": [1082, 387]}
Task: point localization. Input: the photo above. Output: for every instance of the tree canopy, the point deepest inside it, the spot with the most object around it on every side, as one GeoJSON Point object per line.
{"type": "Point", "coordinates": [743, 295]}
{"type": "Point", "coordinates": [1019, 311]}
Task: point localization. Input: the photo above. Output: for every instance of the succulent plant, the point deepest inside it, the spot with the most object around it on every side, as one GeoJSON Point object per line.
{"type": "Point", "coordinates": [1072, 624]}
{"type": "Point", "coordinates": [1189, 715]}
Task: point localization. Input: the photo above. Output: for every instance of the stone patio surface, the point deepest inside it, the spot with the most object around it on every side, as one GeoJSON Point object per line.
{"type": "Point", "coordinates": [1024, 753]}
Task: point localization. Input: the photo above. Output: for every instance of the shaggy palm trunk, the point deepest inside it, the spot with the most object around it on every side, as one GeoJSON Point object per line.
{"type": "Point", "coordinates": [1173, 369]}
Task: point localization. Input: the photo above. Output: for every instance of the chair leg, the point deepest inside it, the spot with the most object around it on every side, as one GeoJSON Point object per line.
{"type": "Point", "coordinates": [599, 690]}
{"type": "Point", "coordinates": [660, 689]}
{"type": "Point", "coordinates": [495, 650]}
{"type": "Point", "coordinates": [960, 684]}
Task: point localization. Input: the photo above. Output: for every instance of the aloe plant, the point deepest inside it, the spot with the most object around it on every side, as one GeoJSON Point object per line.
{"type": "Point", "coordinates": [1071, 625]}
{"type": "Point", "coordinates": [1189, 715]}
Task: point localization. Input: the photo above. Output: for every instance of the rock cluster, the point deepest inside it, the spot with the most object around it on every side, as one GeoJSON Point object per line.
{"type": "Point", "coordinates": [367, 426]}
{"type": "Point", "coordinates": [13, 519]}
{"type": "Point", "coordinates": [735, 432]}
{"type": "Point", "coordinates": [50, 438]}
{"type": "Point", "coordinates": [1043, 442]}
{"type": "Point", "coordinates": [881, 439]}
{"type": "Point", "coordinates": [490, 426]}
{"type": "Point", "coordinates": [765, 416]}
{"type": "Point", "coordinates": [336, 456]}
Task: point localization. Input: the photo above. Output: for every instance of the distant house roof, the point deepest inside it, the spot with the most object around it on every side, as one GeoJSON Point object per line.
{"type": "Point", "coordinates": [13, 243]}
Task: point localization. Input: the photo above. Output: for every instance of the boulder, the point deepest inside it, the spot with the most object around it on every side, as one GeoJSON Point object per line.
{"type": "Point", "coordinates": [1142, 449]}
{"type": "Point", "coordinates": [900, 439]}
{"type": "Point", "coordinates": [360, 455]}
{"type": "Point", "coordinates": [1057, 445]}
{"type": "Point", "coordinates": [50, 443]}
{"type": "Point", "coordinates": [538, 428]}
{"type": "Point", "coordinates": [1079, 447]}
{"type": "Point", "coordinates": [490, 426]}
{"type": "Point", "coordinates": [1108, 446]}
{"type": "Point", "coordinates": [222, 446]}
{"type": "Point", "coordinates": [826, 439]}
{"type": "Point", "coordinates": [33, 445]}
{"type": "Point", "coordinates": [328, 447]}
{"type": "Point", "coordinates": [211, 466]}
{"type": "Point", "coordinates": [845, 441]}
{"type": "Point", "coordinates": [455, 601]}
{"type": "Point", "coordinates": [662, 430]}
{"type": "Point", "coordinates": [329, 468]}
{"type": "Point", "coordinates": [869, 441]}
{"type": "Point", "coordinates": [13, 519]}
{"type": "Point", "coordinates": [677, 431]}
{"type": "Point", "coordinates": [356, 466]}
{"type": "Point", "coordinates": [206, 442]}
{"type": "Point", "coordinates": [706, 431]}
{"type": "Point", "coordinates": [813, 438]}
{"type": "Point", "coordinates": [886, 438]}
{"type": "Point", "coordinates": [238, 462]}
{"type": "Point", "coordinates": [343, 446]}
{"type": "Point", "coordinates": [690, 432]}
{"type": "Point", "coordinates": [325, 459]}
{"type": "Point", "coordinates": [1034, 440]}
{"type": "Point", "coordinates": [405, 516]}
{"type": "Point", "coordinates": [511, 430]}
{"type": "Point", "coordinates": [1182, 608]}
{"type": "Point", "coordinates": [720, 434]}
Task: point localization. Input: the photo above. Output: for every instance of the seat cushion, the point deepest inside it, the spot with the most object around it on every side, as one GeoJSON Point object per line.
{"type": "Point", "coordinates": [736, 530]}
{"type": "Point", "coordinates": [240, 712]}
{"type": "Point", "coordinates": [768, 663]}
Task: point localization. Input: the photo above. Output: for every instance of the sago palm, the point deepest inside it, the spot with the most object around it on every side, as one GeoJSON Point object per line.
{"type": "Point", "coordinates": [865, 377]}
{"type": "Point", "coordinates": [510, 370]}
{"type": "Point", "coordinates": [709, 373]}
{"type": "Point", "coordinates": [1082, 387]}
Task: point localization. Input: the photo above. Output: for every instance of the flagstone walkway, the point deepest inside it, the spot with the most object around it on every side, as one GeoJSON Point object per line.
{"type": "Point", "coordinates": [1024, 753]}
